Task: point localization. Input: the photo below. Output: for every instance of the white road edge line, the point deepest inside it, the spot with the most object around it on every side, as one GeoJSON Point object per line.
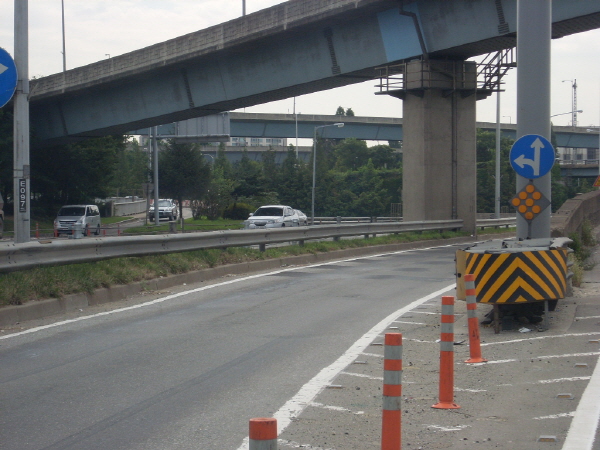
{"type": "Point", "coordinates": [583, 427]}
{"type": "Point", "coordinates": [204, 288]}
{"type": "Point", "coordinates": [294, 407]}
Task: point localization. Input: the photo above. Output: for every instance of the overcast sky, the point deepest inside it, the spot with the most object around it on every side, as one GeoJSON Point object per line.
{"type": "Point", "coordinates": [98, 28]}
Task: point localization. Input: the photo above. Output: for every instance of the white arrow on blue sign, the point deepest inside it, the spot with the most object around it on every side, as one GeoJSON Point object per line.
{"type": "Point", "coordinates": [8, 77]}
{"type": "Point", "coordinates": [532, 156]}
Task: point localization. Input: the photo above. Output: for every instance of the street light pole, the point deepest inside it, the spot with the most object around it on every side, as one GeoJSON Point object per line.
{"type": "Point", "coordinates": [312, 208]}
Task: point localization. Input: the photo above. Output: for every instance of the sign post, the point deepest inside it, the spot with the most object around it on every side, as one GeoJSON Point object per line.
{"type": "Point", "coordinates": [21, 172]}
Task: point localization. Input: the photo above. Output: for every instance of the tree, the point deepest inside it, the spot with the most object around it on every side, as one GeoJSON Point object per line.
{"type": "Point", "coordinates": [217, 197]}
{"type": "Point", "coordinates": [183, 173]}
{"type": "Point", "coordinates": [73, 173]}
{"type": "Point", "coordinates": [131, 170]}
{"type": "Point", "coordinates": [340, 111]}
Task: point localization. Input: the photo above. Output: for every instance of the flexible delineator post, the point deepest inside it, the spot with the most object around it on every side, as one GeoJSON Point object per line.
{"type": "Point", "coordinates": [391, 435]}
{"type": "Point", "coordinates": [263, 434]}
{"type": "Point", "coordinates": [474, 339]}
{"type": "Point", "coordinates": [447, 356]}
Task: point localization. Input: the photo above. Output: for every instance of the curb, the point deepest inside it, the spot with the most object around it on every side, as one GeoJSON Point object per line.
{"type": "Point", "coordinates": [10, 315]}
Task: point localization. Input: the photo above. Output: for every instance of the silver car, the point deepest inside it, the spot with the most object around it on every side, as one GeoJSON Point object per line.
{"type": "Point", "coordinates": [83, 217]}
{"type": "Point", "coordinates": [302, 219]}
{"type": "Point", "coordinates": [272, 216]}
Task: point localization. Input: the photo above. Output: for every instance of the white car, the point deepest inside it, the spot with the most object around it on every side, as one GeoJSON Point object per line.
{"type": "Point", "coordinates": [272, 216]}
{"type": "Point", "coordinates": [167, 209]}
{"type": "Point", "coordinates": [302, 219]}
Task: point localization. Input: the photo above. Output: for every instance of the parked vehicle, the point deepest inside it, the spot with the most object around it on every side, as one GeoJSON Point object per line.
{"type": "Point", "coordinates": [167, 209]}
{"type": "Point", "coordinates": [302, 219]}
{"type": "Point", "coordinates": [83, 217]}
{"type": "Point", "coordinates": [272, 216]}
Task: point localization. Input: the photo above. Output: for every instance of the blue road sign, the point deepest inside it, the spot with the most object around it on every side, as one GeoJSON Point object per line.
{"type": "Point", "coordinates": [8, 77]}
{"type": "Point", "coordinates": [532, 156]}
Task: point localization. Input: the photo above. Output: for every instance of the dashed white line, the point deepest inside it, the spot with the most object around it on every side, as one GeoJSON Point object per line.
{"type": "Point", "coordinates": [361, 375]}
{"type": "Point", "coordinates": [555, 416]}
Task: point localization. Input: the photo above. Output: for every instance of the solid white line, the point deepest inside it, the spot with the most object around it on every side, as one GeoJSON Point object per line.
{"type": "Point", "coordinates": [412, 323]}
{"type": "Point", "coordinates": [362, 375]}
{"type": "Point", "coordinates": [514, 341]}
{"type": "Point", "coordinates": [555, 416]}
{"type": "Point", "coordinates": [294, 407]}
{"type": "Point", "coordinates": [562, 380]}
{"type": "Point", "coordinates": [372, 354]}
{"type": "Point", "coordinates": [587, 317]}
{"type": "Point", "coordinates": [203, 288]}
{"type": "Point", "coordinates": [583, 427]}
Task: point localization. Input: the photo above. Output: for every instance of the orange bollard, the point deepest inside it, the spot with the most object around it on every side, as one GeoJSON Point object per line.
{"type": "Point", "coordinates": [474, 340]}
{"type": "Point", "coordinates": [118, 230]}
{"type": "Point", "coordinates": [391, 429]}
{"type": "Point", "coordinates": [447, 356]}
{"type": "Point", "coordinates": [37, 230]}
{"type": "Point", "coordinates": [263, 434]}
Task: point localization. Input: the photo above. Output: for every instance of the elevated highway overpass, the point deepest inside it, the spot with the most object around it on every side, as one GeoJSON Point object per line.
{"type": "Point", "coordinates": [260, 125]}
{"type": "Point", "coordinates": [417, 48]}
{"type": "Point", "coordinates": [294, 48]}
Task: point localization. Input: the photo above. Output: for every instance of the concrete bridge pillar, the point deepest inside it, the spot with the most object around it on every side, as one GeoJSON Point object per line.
{"type": "Point", "coordinates": [439, 147]}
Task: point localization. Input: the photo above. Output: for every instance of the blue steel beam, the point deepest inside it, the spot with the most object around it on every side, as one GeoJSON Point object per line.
{"type": "Point", "coordinates": [294, 48]}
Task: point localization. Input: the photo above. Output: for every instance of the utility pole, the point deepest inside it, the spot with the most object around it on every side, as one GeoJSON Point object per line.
{"type": "Point", "coordinates": [21, 169]}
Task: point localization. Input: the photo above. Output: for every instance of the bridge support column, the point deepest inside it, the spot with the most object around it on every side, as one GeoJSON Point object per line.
{"type": "Point", "coordinates": [439, 148]}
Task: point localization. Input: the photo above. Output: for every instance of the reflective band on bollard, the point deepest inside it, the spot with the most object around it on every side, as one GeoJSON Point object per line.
{"type": "Point", "coordinates": [447, 356]}
{"type": "Point", "coordinates": [391, 431]}
{"type": "Point", "coordinates": [263, 434]}
{"type": "Point", "coordinates": [474, 339]}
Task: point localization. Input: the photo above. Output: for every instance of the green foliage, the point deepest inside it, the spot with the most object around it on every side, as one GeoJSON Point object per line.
{"type": "Point", "coordinates": [183, 173]}
{"type": "Point", "coordinates": [238, 211]}
{"type": "Point", "coordinates": [216, 198]}
{"type": "Point", "coordinates": [131, 170]}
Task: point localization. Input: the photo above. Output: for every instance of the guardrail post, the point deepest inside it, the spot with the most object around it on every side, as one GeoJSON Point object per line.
{"type": "Point", "coordinates": [262, 247]}
{"type": "Point", "coordinates": [263, 434]}
{"type": "Point", "coordinates": [172, 226]}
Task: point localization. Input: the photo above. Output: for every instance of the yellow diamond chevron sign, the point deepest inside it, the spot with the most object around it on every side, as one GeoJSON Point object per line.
{"type": "Point", "coordinates": [597, 182]}
{"type": "Point", "coordinates": [518, 277]}
{"type": "Point", "coordinates": [529, 202]}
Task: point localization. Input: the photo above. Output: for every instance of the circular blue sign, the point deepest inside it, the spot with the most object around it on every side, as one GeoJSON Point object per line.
{"type": "Point", "coordinates": [8, 77]}
{"type": "Point", "coordinates": [532, 156]}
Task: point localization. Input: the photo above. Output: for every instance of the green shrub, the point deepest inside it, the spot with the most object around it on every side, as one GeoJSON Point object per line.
{"type": "Point", "coordinates": [237, 211]}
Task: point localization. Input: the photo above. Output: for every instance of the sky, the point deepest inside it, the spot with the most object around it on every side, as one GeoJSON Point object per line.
{"type": "Point", "coordinates": [98, 29]}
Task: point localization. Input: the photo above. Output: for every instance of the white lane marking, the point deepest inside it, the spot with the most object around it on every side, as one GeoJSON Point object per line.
{"type": "Point", "coordinates": [334, 408]}
{"type": "Point", "coordinates": [562, 380]}
{"type": "Point", "coordinates": [204, 288]}
{"type": "Point", "coordinates": [424, 312]}
{"type": "Point", "coordinates": [372, 354]}
{"type": "Point", "coordinates": [582, 431]}
{"type": "Point", "coordinates": [441, 428]}
{"type": "Point", "coordinates": [502, 361]}
{"type": "Point", "coordinates": [556, 416]}
{"type": "Point", "coordinates": [362, 375]}
{"type": "Point", "coordinates": [470, 390]}
{"type": "Point", "coordinates": [514, 341]}
{"type": "Point", "coordinates": [568, 355]}
{"type": "Point", "coordinates": [587, 317]}
{"type": "Point", "coordinates": [294, 407]}
{"type": "Point", "coordinates": [412, 323]}
{"type": "Point", "coordinates": [293, 444]}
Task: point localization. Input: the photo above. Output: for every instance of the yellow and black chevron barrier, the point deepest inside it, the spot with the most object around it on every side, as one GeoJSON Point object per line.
{"type": "Point", "coordinates": [514, 277]}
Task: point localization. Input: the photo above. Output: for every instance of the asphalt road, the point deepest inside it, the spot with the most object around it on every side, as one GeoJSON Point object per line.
{"type": "Point", "coordinates": [187, 369]}
{"type": "Point", "coordinates": [189, 372]}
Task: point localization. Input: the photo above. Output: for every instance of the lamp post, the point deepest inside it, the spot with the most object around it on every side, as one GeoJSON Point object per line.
{"type": "Point", "coordinates": [570, 112]}
{"type": "Point", "coordinates": [312, 208]}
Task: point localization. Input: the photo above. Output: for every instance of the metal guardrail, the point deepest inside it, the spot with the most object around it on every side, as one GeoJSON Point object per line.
{"type": "Point", "coordinates": [14, 257]}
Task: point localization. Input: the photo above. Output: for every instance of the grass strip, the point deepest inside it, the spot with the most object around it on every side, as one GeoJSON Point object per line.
{"type": "Point", "coordinates": [55, 282]}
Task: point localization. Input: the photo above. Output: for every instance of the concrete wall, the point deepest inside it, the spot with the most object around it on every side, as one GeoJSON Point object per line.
{"type": "Point", "coordinates": [571, 215]}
